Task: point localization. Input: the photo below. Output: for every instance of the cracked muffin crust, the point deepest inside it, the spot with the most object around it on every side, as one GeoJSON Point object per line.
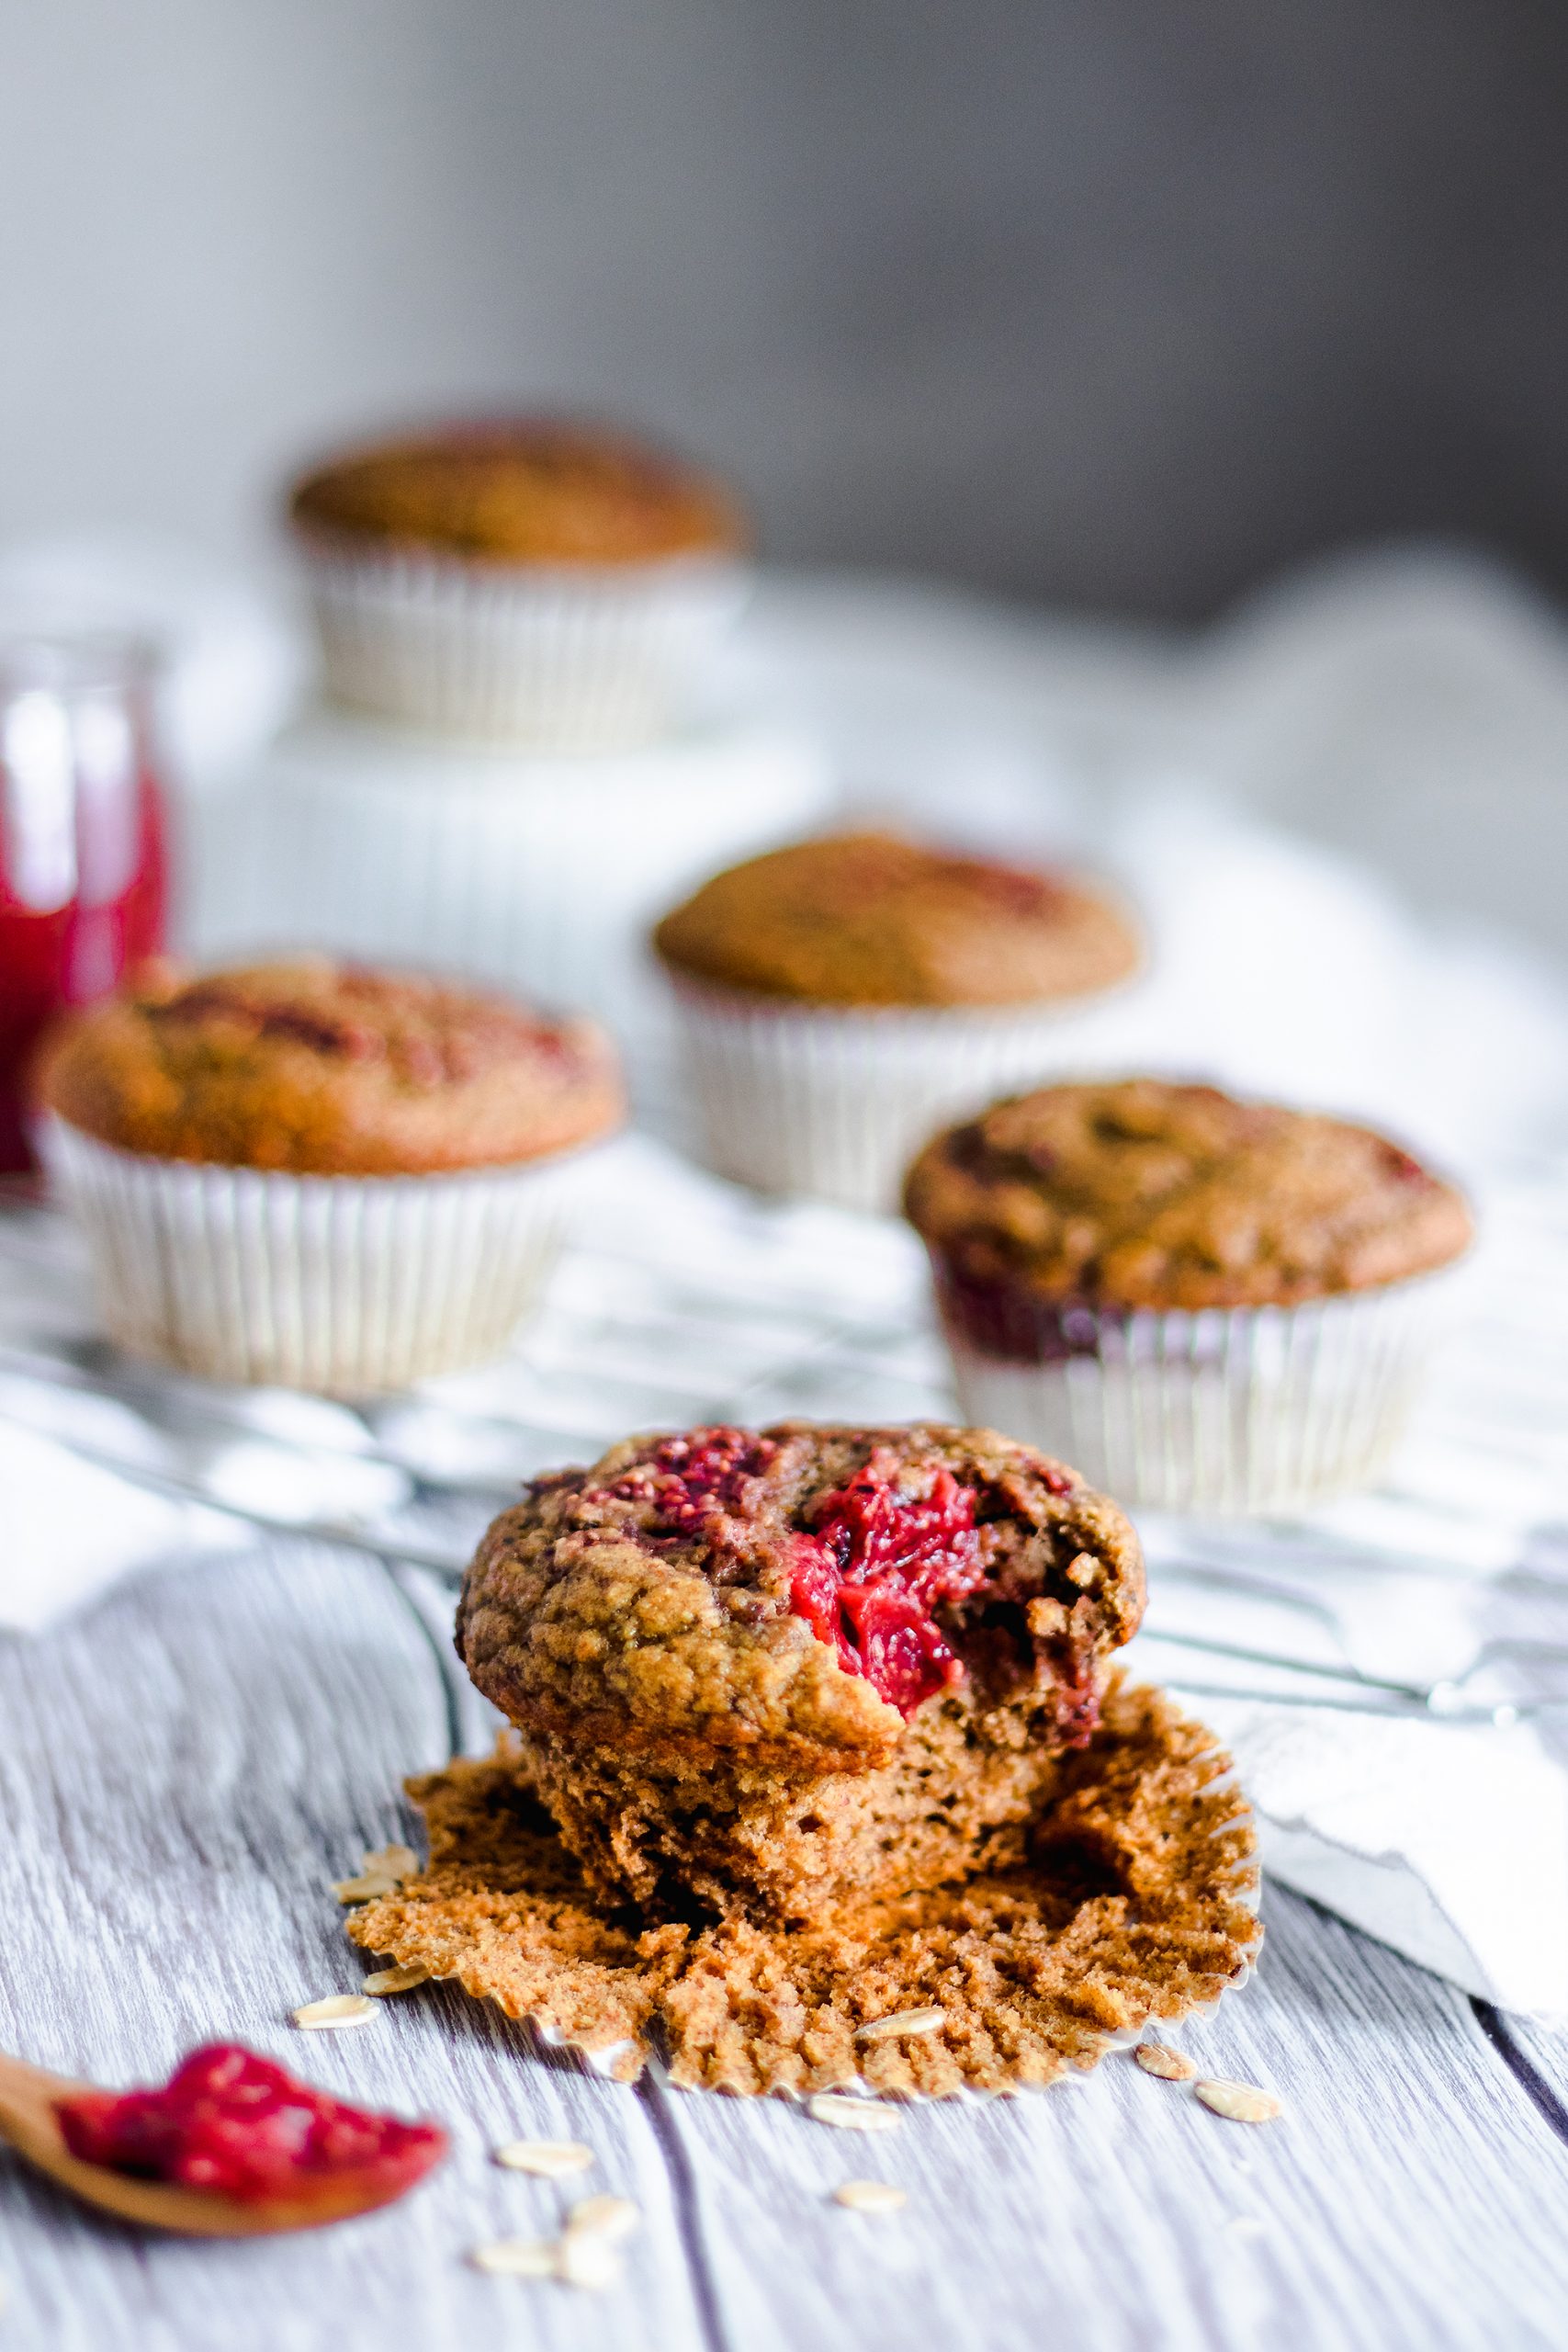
{"type": "Point", "coordinates": [323, 1067]}
{"type": "Point", "coordinates": [521, 490]}
{"type": "Point", "coordinates": [1142, 1194]}
{"type": "Point", "coordinates": [871, 918]}
{"type": "Point", "coordinates": [753, 1667]}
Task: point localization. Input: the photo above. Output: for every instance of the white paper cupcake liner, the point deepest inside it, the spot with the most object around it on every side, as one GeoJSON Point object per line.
{"type": "Point", "coordinates": [1240, 1411]}
{"type": "Point", "coordinates": [564, 657]}
{"type": "Point", "coordinates": [836, 1101]}
{"type": "Point", "coordinates": [343, 1284]}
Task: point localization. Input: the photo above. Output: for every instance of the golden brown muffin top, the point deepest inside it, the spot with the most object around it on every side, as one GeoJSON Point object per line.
{"type": "Point", "coordinates": [528, 490]}
{"type": "Point", "coordinates": [797, 1591]}
{"type": "Point", "coordinates": [325, 1068]}
{"type": "Point", "coordinates": [1145, 1194]}
{"type": "Point", "coordinates": [874, 918]}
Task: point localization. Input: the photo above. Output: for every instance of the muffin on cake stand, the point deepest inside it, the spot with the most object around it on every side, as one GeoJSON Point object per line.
{"type": "Point", "coordinates": [519, 759]}
{"type": "Point", "coordinates": [525, 580]}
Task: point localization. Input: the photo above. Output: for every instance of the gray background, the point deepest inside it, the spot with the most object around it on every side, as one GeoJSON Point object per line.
{"type": "Point", "coordinates": [1123, 303]}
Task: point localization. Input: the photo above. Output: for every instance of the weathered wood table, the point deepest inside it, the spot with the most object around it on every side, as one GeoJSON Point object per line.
{"type": "Point", "coordinates": [188, 1765]}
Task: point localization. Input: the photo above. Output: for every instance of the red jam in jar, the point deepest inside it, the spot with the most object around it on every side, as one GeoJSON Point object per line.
{"type": "Point", "coordinates": [236, 2125]}
{"type": "Point", "coordinates": [83, 873]}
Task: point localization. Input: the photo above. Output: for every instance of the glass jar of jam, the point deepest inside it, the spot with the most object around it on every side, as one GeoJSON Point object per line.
{"type": "Point", "coordinates": [82, 860]}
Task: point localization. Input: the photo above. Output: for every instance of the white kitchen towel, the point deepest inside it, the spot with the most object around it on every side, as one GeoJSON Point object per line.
{"type": "Point", "coordinates": [1449, 1844]}
{"type": "Point", "coordinates": [74, 1527]}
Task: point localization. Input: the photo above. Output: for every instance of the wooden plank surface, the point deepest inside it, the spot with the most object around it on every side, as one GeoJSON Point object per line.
{"type": "Point", "coordinates": [1538, 2060]}
{"type": "Point", "coordinates": [1413, 2195]}
{"type": "Point", "coordinates": [182, 1775]}
{"type": "Point", "coordinates": [184, 1771]}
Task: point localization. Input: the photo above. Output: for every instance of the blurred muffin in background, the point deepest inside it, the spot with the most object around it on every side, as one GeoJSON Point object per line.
{"type": "Point", "coordinates": [309, 1172]}
{"type": "Point", "coordinates": [1215, 1305]}
{"type": "Point", "coordinates": [838, 997]}
{"type": "Point", "coordinates": [525, 491]}
{"type": "Point", "coordinates": [525, 580]}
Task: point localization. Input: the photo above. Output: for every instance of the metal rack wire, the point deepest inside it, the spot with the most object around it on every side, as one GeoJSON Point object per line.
{"type": "Point", "coordinates": [684, 1302]}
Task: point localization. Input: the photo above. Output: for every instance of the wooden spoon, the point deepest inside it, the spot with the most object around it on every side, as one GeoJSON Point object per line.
{"type": "Point", "coordinates": [29, 2124]}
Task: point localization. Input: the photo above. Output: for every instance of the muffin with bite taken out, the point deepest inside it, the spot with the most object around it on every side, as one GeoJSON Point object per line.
{"type": "Point", "coordinates": [823, 1773]}
{"type": "Point", "coordinates": [757, 1670]}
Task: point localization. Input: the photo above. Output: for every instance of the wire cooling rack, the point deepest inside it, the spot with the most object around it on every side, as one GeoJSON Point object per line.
{"type": "Point", "coordinates": [683, 1300]}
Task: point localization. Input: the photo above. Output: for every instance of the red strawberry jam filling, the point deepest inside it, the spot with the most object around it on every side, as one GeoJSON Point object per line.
{"type": "Point", "coordinates": [878, 1558]}
{"type": "Point", "coordinates": [237, 2125]}
{"type": "Point", "coordinates": [692, 1481]}
{"type": "Point", "coordinates": [877, 1565]}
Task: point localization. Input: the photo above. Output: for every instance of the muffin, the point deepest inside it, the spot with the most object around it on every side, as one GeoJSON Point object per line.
{"type": "Point", "coordinates": [1214, 1304]}
{"type": "Point", "coordinates": [308, 1173]}
{"type": "Point", "coordinates": [528, 580]}
{"type": "Point", "coordinates": [757, 1670]}
{"type": "Point", "coordinates": [841, 997]}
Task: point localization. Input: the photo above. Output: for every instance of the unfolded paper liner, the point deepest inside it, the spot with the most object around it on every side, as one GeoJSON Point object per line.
{"type": "Point", "coordinates": [589, 656]}
{"type": "Point", "coordinates": [1139, 1908]}
{"type": "Point", "coordinates": [342, 1284]}
{"type": "Point", "coordinates": [1229, 1411]}
{"type": "Point", "coordinates": [834, 1100]}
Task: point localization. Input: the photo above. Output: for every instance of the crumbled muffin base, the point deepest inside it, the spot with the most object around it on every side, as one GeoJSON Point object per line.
{"type": "Point", "coordinates": [1135, 1905]}
{"type": "Point", "coordinates": [668, 1829]}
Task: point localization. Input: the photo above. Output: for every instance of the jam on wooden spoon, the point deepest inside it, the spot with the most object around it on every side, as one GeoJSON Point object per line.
{"type": "Point", "coordinates": [232, 2146]}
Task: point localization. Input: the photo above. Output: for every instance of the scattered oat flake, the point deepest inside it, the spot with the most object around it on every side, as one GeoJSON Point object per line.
{"type": "Point", "coordinates": [337, 2009]}
{"type": "Point", "coordinates": [1238, 2102]}
{"type": "Point", "coordinates": [518, 2258]}
{"type": "Point", "coordinates": [403, 1979]}
{"type": "Point", "coordinates": [902, 2022]}
{"type": "Point", "coordinates": [610, 2218]}
{"type": "Point", "coordinates": [368, 1889]}
{"type": "Point", "coordinates": [589, 2258]}
{"type": "Point", "coordinates": [851, 2114]}
{"type": "Point", "coordinates": [870, 2196]}
{"type": "Point", "coordinates": [390, 1861]}
{"type": "Point", "coordinates": [545, 2159]}
{"type": "Point", "coordinates": [381, 1872]}
{"type": "Point", "coordinates": [1170, 2066]}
